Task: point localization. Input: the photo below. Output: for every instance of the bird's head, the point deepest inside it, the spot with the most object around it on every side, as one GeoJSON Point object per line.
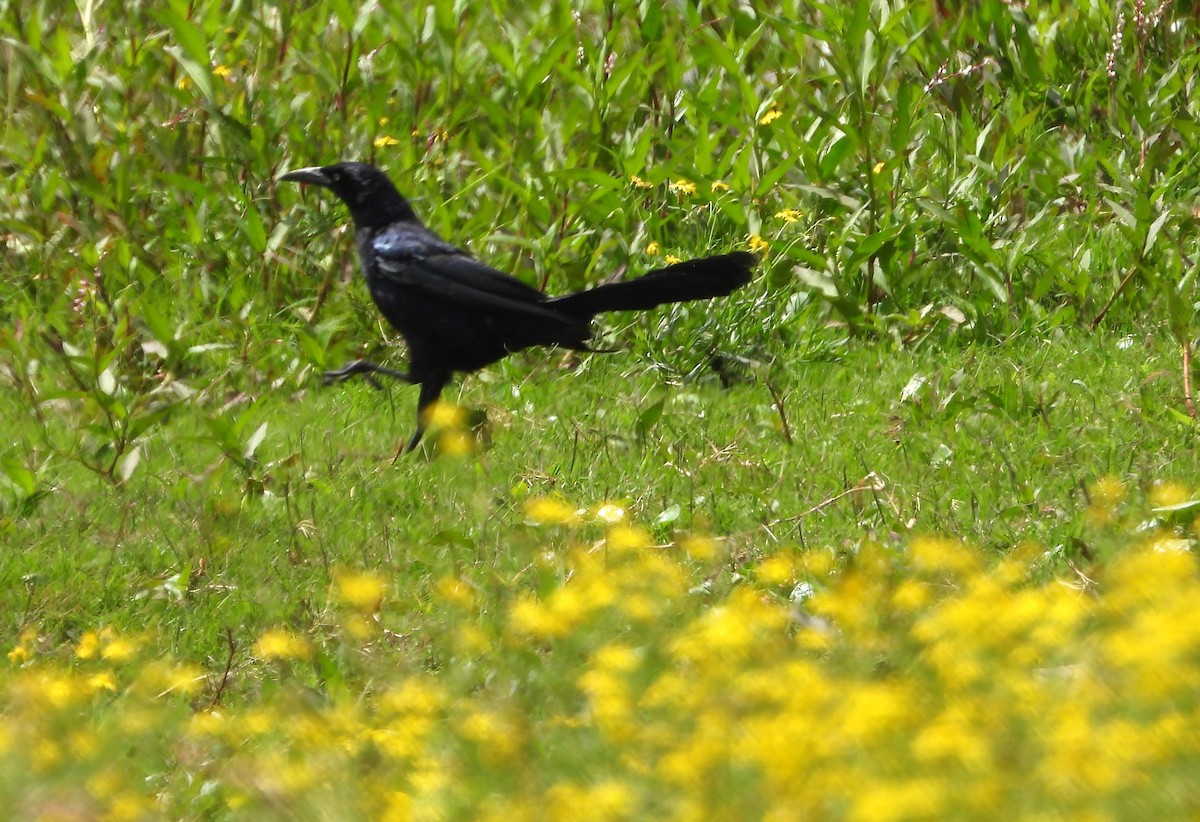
{"type": "Point", "coordinates": [370, 195]}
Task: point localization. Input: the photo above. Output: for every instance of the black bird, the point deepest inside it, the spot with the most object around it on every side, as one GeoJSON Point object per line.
{"type": "Point", "coordinates": [458, 314]}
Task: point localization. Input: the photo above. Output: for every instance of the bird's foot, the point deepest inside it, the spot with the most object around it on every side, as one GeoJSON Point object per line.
{"type": "Point", "coordinates": [367, 369]}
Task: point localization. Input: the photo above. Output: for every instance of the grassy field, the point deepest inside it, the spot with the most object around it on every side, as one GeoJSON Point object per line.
{"type": "Point", "coordinates": [903, 530]}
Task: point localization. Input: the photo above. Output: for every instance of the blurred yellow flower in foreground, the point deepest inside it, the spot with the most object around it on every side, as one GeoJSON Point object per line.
{"type": "Point", "coordinates": [937, 680]}
{"type": "Point", "coordinates": [360, 591]}
{"type": "Point", "coordinates": [1166, 494]}
{"type": "Point", "coordinates": [444, 414]}
{"type": "Point", "coordinates": [549, 511]}
{"type": "Point", "coordinates": [278, 643]}
{"type": "Point", "coordinates": [456, 591]}
{"type": "Point", "coordinates": [118, 649]}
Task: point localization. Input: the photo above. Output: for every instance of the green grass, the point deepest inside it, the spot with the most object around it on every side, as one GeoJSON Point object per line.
{"type": "Point", "coordinates": [974, 312]}
{"type": "Point", "coordinates": [995, 446]}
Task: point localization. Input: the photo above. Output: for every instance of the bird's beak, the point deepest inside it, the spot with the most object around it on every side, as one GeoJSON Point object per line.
{"type": "Point", "coordinates": [313, 175]}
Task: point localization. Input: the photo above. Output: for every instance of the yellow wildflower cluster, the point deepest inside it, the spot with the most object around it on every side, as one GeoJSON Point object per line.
{"type": "Point", "coordinates": [450, 429]}
{"type": "Point", "coordinates": [771, 116]}
{"type": "Point", "coordinates": [682, 187]}
{"type": "Point", "coordinates": [279, 643]}
{"type": "Point", "coordinates": [628, 677]}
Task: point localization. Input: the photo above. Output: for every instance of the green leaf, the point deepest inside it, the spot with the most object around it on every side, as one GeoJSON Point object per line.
{"type": "Point", "coordinates": [650, 415]}
{"type": "Point", "coordinates": [1155, 228]}
{"type": "Point", "coordinates": [254, 441]}
{"type": "Point", "coordinates": [668, 515]}
{"type": "Point", "coordinates": [190, 49]}
{"type": "Point", "coordinates": [252, 226]}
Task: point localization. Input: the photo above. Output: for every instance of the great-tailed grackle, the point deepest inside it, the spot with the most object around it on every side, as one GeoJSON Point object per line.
{"type": "Point", "coordinates": [457, 314]}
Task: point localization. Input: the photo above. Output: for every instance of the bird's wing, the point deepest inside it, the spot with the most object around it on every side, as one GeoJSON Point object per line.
{"type": "Point", "coordinates": [421, 260]}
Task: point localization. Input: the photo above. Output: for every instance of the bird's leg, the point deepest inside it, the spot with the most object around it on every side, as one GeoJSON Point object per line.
{"type": "Point", "coordinates": [367, 369]}
{"type": "Point", "coordinates": [430, 391]}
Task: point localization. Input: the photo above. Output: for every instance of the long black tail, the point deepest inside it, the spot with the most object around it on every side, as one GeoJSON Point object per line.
{"type": "Point", "coordinates": [700, 279]}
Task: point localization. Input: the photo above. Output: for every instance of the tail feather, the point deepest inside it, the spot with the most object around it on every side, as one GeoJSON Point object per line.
{"type": "Point", "coordinates": [700, 279]}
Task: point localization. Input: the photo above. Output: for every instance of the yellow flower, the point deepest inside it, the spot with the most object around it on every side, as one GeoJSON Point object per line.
{"type": "Point", "coordinates": [278, 643]}
{"type": "Point", "coordinates": [361, 627]}
{"type": "Point", "coordinates": [617, 657]}
{"type": "Point", "coordinates": [89, 646]}
{"type": "Point", "coordinates": [671, 259]}
{"type": "Point", "coordinates": [472, 641]}
{"type": "Point", "coordinates": [103, 681]}
{"type": "Point", "coordinates": [789, 215]}
{"type": "Point", "coordinates": [608, 694]}
{"type": "Point", "coordinates": [625, 538]}
{"type": "Point", "coordinates": [386, 141]}
{"type": "Point", "coordinates": [776, 570]}
{"type": "Point", "coordinates": [652, 249]}
{"type": "Point", "coordinates": [444, 414]}
{"type": "Point", "coordinates": [937, 555]}
{"type": "Point", "coordinates": [222, 71]}
{"type": "Point", "coordinates": [531, 617]}
{"type": "Point", "coordinates": [1166, 494]}
{"type": "Point", "coordinates": [770, 117]}
{"type": "Point", "coordinates": [718, 187]}
{"type": "Point", "coordinates": [456, 443]}
{"type": "Point", "coordinates": [685, 187]}
{"type": "Point", "coordinates": [183, 83]}
{"type": "Point", "coordinates": [549, 511]}
{"type": "Point", "coordinates": [818, 563]}
{"type": "Point", "coordinates": [105, 783]}
{"type": "Point", "coordinates": [118, 649]}
{"type": "Point", "coordinates": [606, 800]}
{"type": "Point", "coordinates": [638, 182]}
{"type": "Point", "coordinates": [362, 592]}
{"type": "Point", "coordinates": [880, 166]}
{"type": "Point", "coordinates": [18, 654]}
{"type": "Point", "coordinates": [456, 591]}
{"type": "Point", "coordinates": [498, 737]}
{"type": "Point", "coordinates": [182, 679]}
{"type": "Point", "coordinates": [1108, 490]}
{"type": "Point", "coordinates": [700, 547]}
{"type": "Point", "coordinates": [383, 121]}
{"type": "Point", "coordinates": [889, 800]}
{"type": "Point", "coordinates": [911, 595]}
{"type": "Point", "coordinates": [758, 245]}
{"type": "Point", "coordinates": [398, 807]}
